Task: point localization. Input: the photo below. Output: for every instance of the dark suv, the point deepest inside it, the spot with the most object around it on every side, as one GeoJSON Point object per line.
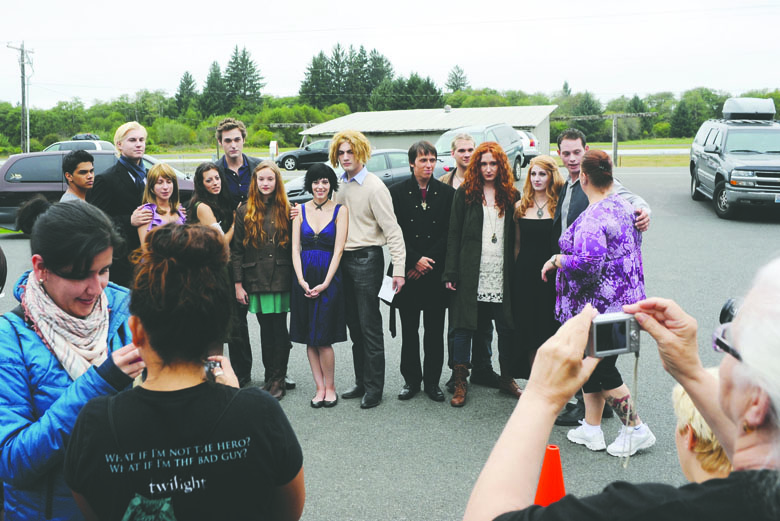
{"type": "Point", "coordinates": [24, 175]}
{"type": "Point", "coordinates": [500, 133]}
{"type": "Point", "coordinates": [736, 160]}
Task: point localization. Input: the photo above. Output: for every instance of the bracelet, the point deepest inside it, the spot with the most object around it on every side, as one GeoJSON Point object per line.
{"type": "Point", "coordinates": [552, 260]}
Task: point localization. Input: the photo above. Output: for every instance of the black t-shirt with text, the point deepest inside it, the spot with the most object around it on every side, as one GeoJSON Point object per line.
{"type": "Point", "coordinates": [216, 458]}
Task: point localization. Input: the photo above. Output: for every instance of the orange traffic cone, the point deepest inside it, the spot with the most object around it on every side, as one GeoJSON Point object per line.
{"type": "Point", "coordinates": [550, 488]}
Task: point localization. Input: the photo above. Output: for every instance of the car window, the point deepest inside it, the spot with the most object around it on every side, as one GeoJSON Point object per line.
{"type": "Point", "coordinates": [55, 146]}
{"type": "Point", "coordinates": [713, 138]}
{"type": "Point", "coordinates": [319, 145]}
{"type": "Point", "coordinates": [398, 159]}
{"type": "Point", "coordinates": [491, 136]}
{"type": "Point", "coordinates": [376, 163]}
{"type": "Point", "coordinates": [84, 145]}
{"type": "Point", "coordinates": [760, 140]}
{"type": "Point", "coordinates": [105, 161]}
{"type": "Point", "coordinates": [40, 169]}
{"type": "Point", "coordinates": [701, 135]}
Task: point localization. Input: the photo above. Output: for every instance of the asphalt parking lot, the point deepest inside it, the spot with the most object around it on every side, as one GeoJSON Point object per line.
{"type": "Point", "coordinates": [418, 459]}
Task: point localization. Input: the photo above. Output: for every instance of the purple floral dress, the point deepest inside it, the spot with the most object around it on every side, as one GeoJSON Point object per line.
{"type": "Point", "coordinates": [601, 260]}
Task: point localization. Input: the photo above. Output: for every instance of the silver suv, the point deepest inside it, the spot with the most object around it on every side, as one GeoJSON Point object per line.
{"type": "Point", "coordinates": [500, 133]}
{"type": "Point", "coordinates": [736, 160]}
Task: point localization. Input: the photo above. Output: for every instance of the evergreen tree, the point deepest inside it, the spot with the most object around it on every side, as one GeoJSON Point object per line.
{"type": "Point", "coordinates": [389, 95]}
{"type": "Point", "coordinates": [585, 104]}
{"type": "Point", "coordinates": [356, 87]}
{"type": "Point", "coordinates": [566, 91]}
{"type": "Point", "coordinates": [379, 69]}
{"type": "Point", "coordinates": [317, 86]}
{"type": "Point", "coordinates": [457, 80]}
{"type": "Point", "coordinates": [338, 72]}
{"type": "Point", "coordinates": [214, 99]}
{"type": "Point", "coordinates": [681, 121]}
{"type": "Point", "coordinates": [186, 94]}
{"type": "Point", "coordinates": [243, 81]}
{"type": "Point", "coordinates": [422, 93]}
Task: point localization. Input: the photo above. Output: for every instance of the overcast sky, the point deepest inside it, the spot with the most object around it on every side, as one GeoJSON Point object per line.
{"type": "Point", "coordinates": [99, 51]}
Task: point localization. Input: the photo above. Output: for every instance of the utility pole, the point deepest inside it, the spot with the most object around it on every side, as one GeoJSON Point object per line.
{"type": "Point", "coordinates": [24, 59]}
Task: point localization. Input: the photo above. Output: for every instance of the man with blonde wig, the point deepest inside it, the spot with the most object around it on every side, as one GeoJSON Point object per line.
{"type": "Point", "coordinates": [119, 191]}
{"type": "Point", "coordinates": [372, 224]}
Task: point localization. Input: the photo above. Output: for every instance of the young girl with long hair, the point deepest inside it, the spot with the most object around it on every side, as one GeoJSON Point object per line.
{"type": "Point", "coordinates": [211, 204]}
{"type": "Point", "coordinates": [534, 299]}
{"type": "Point", "coordinates": [480, 245]}
{"type": "Point", "coordinates": [161, 196]}
{"type": "Point", "coordinates": [262, 268]}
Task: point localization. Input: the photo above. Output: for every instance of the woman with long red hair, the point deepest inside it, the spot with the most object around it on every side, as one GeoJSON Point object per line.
{"type": "Point", "coordinates": [480, 252]}
{"type": "Point", "coordinates": [262, 267]}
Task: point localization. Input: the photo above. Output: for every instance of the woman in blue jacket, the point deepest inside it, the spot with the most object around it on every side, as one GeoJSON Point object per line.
{"type": "Point", "coordinates": [61, 347]}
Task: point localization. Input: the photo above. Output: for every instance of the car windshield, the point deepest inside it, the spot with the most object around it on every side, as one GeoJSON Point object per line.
{"type": "Point", "coordinates": [444, 144]}
{"type": "Point", "coordinates": [756, 141]}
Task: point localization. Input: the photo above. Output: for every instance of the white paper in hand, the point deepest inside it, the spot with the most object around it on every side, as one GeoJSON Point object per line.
{"type": "Point", "coordinates": [386, 292]}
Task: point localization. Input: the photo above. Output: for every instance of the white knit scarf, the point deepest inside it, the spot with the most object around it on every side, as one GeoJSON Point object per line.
{"type": "Point", "coordinates": [77, 343]}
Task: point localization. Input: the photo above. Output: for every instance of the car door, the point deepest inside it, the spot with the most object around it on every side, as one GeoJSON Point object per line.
{"type": "Point", "coordinates": [708, 166]}
{"type": "Point", "coordinates": [399, 166]}
{"type": "Point", "coordinates": [377, 165]}
{"type": "Point", "coordinates": [26, 176]}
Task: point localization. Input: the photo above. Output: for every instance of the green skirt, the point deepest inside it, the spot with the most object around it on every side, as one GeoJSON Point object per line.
{"type": "Point", "coordinates": [268, 303]}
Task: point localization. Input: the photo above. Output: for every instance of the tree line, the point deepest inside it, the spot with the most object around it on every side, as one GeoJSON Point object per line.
{"type": "Point", "coordinates": [347, 80]}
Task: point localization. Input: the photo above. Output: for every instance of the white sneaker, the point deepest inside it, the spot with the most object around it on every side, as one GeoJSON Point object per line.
{"type": "Point", "coordinates": [592, 438]}
{"type": "Point", "coordinates": [630, 440]}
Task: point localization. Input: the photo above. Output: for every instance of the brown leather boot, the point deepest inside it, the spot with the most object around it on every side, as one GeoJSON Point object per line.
{"type": "Point", "coordinates": [277, 388]}
{"type": "Point", "coordinates": [460, 373]}
{"type": "Point", "coordinates": [507, 385]}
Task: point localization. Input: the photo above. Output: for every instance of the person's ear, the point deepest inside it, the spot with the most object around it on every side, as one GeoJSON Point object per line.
{"type": "Point", "coordinates": [758, 408]}
{"type": "Point", "coordinates": [587, 148]}
{"type": "Point", "coordinates": [690, 437]}
{"type": "Point", "coordinates": [39, 269]}
{"type": "Point", "coordinates": [140, 339]}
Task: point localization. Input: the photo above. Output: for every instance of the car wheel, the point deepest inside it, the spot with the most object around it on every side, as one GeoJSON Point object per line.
{"type": "Point", "coordinates": [723, 209]}
{"type": "Point", "coordinates": [290, 163]}
{"type": "Point", "coordinates": [516, 168]}
{"type": "Point", "coordinates": [696, 195]}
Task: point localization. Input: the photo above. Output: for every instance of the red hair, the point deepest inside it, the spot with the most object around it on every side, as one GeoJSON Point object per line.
{"type": "Point", "coordinates": [474, 185]}
{"type": "Point", "coordinates": [255, 210]}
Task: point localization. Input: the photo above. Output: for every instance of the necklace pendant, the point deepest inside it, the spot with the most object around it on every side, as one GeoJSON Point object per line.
{"type": "Point", "coordinates": [494, 239]}
{"type": "Point", "coordinates": [539, 213]}
{"type": "Point", "coordinates": [424, 205]}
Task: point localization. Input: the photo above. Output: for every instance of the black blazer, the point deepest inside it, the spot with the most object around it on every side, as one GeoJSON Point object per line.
{"type": "Point", "coordinates": [425, 235]}
{"type": "Point", "coordinates": [577, 205]}
{"type": "Point", "coordinates": [116, 194]}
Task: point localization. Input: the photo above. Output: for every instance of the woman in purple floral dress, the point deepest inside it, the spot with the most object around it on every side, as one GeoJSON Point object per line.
{"type": "Point", "coordinates": [601, 264]}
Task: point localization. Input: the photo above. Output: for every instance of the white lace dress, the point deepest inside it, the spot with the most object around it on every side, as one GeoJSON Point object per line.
{"type": "Point", "coordinates": [491, 268]}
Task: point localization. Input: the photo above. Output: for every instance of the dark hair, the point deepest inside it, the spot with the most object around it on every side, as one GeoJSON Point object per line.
{"type": "Point", "coordinates": [320, 171]}
{"type": "Point", "coordinates": [571, 134]}
{"type": "Point", "coordinates": [598, 167]}
{"type": "Point", "coordinates": [68, 235]}
{"type": "Point", "coordinates": [74, 158]}
{"type": "Point", "coordinates": [421, 148]}
{"type": "Point", "coordinates": [181, 290]}
{"type": "Point", "coordinates": [221, 204]}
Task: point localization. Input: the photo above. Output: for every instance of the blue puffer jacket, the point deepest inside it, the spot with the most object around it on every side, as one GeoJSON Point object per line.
{"type": "Point", "coordinates": [38, 407]}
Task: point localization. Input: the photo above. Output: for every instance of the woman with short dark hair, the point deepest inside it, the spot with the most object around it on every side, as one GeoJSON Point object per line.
{"type": "Point", "coordinates": [201, 449]}
{"type": "Point", "coordinates": [61, 347]}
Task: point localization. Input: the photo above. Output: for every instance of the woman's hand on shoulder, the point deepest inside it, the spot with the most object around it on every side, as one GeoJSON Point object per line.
{"type": "Point", "coordinates": [128, 360]}
{"type": "Point", "coordinates": [224, 374]}
{"type": "Point", "coordinates": [141, 216]}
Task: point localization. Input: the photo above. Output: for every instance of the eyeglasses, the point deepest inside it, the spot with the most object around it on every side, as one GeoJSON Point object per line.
{"type": "Point", "coordinates": [720, 344]}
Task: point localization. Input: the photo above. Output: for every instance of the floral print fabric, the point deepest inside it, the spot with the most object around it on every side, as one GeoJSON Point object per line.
{"type": "Point", "coordinates": [601, 261]}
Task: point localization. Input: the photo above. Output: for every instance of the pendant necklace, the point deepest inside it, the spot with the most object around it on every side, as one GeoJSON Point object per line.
{"type": "Point", "coordinates": [540, 211]}
{"type": "Point", "coordinates": [319, 206]}
{"type": "Point", "coordinates": [493, 220]}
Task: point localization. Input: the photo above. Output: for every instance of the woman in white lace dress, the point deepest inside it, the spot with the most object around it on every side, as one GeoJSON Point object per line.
{"type": "Point", "coordinates": [480, 245]}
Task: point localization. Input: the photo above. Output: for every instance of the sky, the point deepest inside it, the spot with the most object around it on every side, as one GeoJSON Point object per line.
{"type": "Point", "coordinates": [609, 48]}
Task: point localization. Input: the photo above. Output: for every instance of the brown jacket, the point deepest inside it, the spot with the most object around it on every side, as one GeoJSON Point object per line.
{"type": "Point", "coordinates": [266, 269]}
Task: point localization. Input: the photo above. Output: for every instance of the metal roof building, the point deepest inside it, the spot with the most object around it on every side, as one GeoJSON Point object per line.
{"type": "Point", "coordinates": [401, 128]}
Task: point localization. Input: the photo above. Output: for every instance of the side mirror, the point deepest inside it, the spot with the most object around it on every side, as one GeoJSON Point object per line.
{"type": "Point", "coordinates": [711, 149]}
{"type": "Point", "coordinates": [306, 147]}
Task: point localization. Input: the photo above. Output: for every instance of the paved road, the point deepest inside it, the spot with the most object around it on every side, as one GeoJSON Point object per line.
{"type": "Point", "coordinates": [418, 460]}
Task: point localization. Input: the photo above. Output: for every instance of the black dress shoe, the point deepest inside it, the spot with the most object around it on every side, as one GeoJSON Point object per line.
{"type": "Point", "coordinates": [485, 377]}
{"type": "Point", "coordinates": [408, 392]}
{"type": "Point", "coordinates": [434, 393]}
{"type": "Point", "coordinates": [572, 416]}
{"type": "Point", "coordinates": [288, 383]}
{"type": "Point", "coordinates": [369, 401]}
{"type": "Point", "coordinates": [316, 404]}
{"type": "Point", "coordinates": [330, 403]}
{"type": "Point", "coordinates": [356, 391]}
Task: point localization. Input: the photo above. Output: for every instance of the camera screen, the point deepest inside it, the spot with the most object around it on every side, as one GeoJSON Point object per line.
{"type": "Point", "coordinates": [610, 336]}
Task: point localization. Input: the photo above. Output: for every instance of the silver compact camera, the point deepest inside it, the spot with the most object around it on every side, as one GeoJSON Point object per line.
{"type": "Point", "coordinates": [613, 334]}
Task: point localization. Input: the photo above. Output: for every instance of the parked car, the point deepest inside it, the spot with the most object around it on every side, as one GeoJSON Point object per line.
{"type": "Point", "coordinates": [530, 145]}
{"type": "Point", "coordinates": [24, 175]}
{"type": "Point", "coordinates": [500, 133]}
{"type": "Point", "coordinates": [735, 161]}
{"type": "Point", "coordinates": [391, 165]}
{"type": "Point", "coordinates": [315, 152]}
{"type": "Point", "coordinates": [81, 144]}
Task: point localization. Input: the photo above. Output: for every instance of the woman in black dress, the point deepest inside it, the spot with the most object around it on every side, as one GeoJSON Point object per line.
{"type": "Point", "coordinates": [534, 299]}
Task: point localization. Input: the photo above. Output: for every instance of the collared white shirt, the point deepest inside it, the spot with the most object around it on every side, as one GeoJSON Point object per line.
{"type": "Point", "coordinates": [359, 177]}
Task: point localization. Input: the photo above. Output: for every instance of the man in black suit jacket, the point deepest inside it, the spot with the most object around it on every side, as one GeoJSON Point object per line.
{"type": "Point", "coordinates": [119, 191]}
{"type": "Point", "coordinates": [422, 207]}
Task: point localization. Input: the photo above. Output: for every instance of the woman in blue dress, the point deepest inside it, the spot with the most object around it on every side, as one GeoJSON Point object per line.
{"type": "Point", "coordinates": [317, 319]}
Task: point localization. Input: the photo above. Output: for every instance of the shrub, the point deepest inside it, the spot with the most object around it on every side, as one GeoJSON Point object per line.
{"type": "Point", "coordinates": [662, 129]}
